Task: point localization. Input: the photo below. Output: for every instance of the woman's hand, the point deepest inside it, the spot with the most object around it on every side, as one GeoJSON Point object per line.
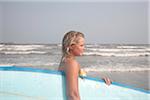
{"type": "Point", "coordinates": [107, 80]}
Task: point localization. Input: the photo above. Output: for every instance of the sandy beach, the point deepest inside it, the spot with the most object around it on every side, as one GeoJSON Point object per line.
{"type": "Point", "coordinates": [138, 79]}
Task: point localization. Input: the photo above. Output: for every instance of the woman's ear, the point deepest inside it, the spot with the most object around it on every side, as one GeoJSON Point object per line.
{"type": "Point", "coordinates": [72, 46]}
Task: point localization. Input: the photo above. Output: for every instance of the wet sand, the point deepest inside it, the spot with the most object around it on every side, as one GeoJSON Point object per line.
{"type": "Point", "coordinates": [138, 79]}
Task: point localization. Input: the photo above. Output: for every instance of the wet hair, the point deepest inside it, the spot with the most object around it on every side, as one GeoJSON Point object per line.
{"type": "Point", "coordinates": [70, 38]}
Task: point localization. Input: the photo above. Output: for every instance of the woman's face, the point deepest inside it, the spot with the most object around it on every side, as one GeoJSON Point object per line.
{"type": "Point", "coordinates": [78, 49]}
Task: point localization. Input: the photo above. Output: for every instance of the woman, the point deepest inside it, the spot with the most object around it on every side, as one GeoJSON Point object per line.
{"type": "Point", "coordinates": [72, 46]}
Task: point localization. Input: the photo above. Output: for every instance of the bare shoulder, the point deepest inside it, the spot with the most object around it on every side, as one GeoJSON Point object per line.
{"type": "Point", "coordinates": [71, 62]}
{"type": "Point", "coordinates": [71, 65]}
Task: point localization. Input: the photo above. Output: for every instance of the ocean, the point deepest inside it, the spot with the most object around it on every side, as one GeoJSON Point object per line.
{"type": "Point", "coordinates": [97, 57]}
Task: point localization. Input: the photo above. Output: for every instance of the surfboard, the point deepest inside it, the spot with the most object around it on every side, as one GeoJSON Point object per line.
{"type": "Point", "coordinates": [26, 83]}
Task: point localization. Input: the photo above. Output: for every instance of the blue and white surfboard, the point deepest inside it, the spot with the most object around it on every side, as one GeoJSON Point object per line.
{"type": "Point", "coordinates": [22, 83]}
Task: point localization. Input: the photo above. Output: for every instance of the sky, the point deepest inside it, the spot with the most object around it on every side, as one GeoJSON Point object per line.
{"type": "Point", "coordinates": [102, 22]}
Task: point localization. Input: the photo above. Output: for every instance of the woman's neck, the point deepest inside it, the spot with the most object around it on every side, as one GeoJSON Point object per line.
{"type": "Point", "coordinates": [70, 56]}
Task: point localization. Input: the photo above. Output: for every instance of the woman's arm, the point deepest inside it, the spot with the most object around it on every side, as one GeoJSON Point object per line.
{"type": "Point", "coordinates": [72, 71]}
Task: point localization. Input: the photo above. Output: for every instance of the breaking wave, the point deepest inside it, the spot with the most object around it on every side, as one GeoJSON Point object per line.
{"type": "Point", "coordinates": [116, 54]}
{"type": "Point", "coordinates": [134, 69]}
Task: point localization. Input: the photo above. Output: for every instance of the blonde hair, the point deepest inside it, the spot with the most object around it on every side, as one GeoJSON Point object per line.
{"type": "Point", "coordinates": [69, 39]}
